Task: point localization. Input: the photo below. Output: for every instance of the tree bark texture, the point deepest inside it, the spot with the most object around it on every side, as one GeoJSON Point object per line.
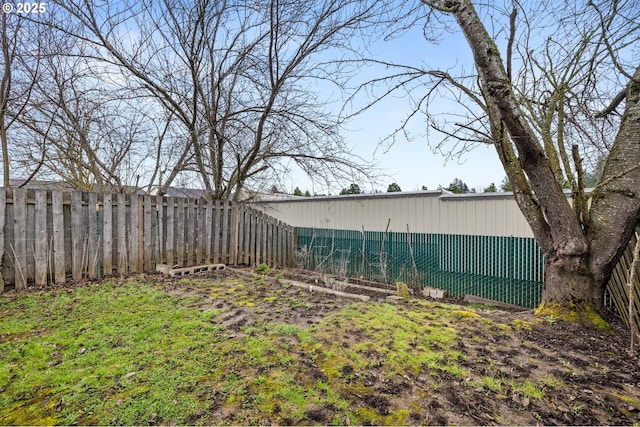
{"type": "Point", "coordinates": [579, 257]}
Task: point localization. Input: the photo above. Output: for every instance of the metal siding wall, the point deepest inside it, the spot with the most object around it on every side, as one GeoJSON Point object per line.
{"type": "Point", "coordinates": [423, 213]}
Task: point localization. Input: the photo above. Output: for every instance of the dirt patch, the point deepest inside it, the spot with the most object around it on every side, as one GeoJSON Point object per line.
{"type": "Point", "coordinates": [260, 298]}
{"type": "Point", "coordinates": [521, 369]}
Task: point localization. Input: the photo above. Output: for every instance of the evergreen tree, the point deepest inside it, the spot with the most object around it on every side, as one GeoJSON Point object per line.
{"type": "Point", "coordinates": [490, 189]}
{"type": "Point", "coordinates": [458, 187]}
{"type": "Point", "coordinates": [353, 189]}
{"type": "Point", "coordinates": [393, 188]}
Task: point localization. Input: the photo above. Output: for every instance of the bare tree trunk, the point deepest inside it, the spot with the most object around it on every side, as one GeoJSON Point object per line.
{"type": "Point", "coordinates": [5, 88]}
{"type": "Point", "coordinates": [579, 257]}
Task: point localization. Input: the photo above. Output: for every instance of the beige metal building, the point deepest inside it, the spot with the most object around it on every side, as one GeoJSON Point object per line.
{"type": "Point", "coordinates": [478, 214]}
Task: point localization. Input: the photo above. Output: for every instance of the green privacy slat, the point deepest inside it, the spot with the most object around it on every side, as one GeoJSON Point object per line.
{"type": "Point", "coordinates": [507, 269]}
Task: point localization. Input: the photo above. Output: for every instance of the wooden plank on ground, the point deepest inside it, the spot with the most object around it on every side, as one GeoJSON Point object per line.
{"type": "Point", "coordinates": [19, 248]}
{"type": "Point", "coordinates": [58, 237]}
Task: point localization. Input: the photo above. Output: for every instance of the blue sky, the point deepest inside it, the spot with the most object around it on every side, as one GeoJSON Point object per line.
{"type": "Point", "coordinates": [415, 163]}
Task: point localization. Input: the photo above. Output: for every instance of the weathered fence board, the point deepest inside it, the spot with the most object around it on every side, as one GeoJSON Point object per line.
{"type": "Point", "coordinates": [224, 256]}
{"type": "Point", "coordinates": [77, 236]}
{"type": "Point", "coordinates": [58, 237]}
{"type": "Point", "coordinates": [148, 223]}
{"type": "Point", "coordinates": [50, 236]}
{"type": "Point", "coordinates": [121, 235]}
{"type": "Point", "coordinates": [107, 234]}
{"type": "Point", "coordinates": [19, 249]}
{"type": "Point", "coordinates": [618, 285]}
{"type": "Point", "coordinates": [93, 236]}
{"type": "Point", "coordinates": [133, 235]}
{"type": "Point", "coordinates": [170, 237]}
{"type": "Point", "coordinates": [41, 238]}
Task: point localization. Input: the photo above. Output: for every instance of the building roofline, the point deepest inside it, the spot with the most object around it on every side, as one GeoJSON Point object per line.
{"type": "Point", "coordinates": [443, 194]}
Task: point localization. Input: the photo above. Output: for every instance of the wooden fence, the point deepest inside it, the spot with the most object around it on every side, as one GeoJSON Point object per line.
{"type": "Point", "coordinates": [51, 236]}
{"type": "Point", "coordinates": [618, 286]}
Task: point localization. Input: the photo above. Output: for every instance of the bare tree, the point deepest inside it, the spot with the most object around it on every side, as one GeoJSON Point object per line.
{"type": "Point", "coordinates": [79, 130]}
{"type": "Point", "coordinates": [66, 120]}
{"type": "Point", "coordinates": [243, 83]}
{"type": "Point", "coordinates": [21, 52]}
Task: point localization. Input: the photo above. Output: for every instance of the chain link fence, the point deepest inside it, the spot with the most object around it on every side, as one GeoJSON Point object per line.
{"type": "Point", "coordinates": [506, 269]}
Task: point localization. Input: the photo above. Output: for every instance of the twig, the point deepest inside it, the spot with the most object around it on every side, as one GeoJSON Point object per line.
{"type": "Point", "coordinates": [16, 266]}
{"type": "Point", "coordinates": [383, 262]}
{"type": "Point", "coordinates": [362, 263]}
{"type": "Point", "coordinates": [95, 258]}
{"type": "Point", "coordinates": [413, 260]}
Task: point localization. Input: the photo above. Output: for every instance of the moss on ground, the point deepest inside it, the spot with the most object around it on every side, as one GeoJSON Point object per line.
{"type": "Point", "coordinates": [581, 314]}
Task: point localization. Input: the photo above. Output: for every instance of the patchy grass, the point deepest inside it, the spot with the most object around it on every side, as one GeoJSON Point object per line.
{"type": "Point", "coordinates": [228, 350]}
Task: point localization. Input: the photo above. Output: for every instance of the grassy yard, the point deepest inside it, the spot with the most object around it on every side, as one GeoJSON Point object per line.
{"type": "Point", "coordinates": [242, 350]}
